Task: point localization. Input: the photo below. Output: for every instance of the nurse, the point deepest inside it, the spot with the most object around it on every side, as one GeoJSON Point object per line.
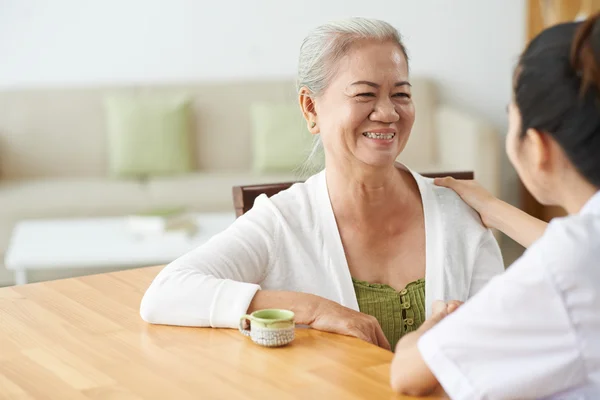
{"type": "Point", "coordinates": [534, 331]}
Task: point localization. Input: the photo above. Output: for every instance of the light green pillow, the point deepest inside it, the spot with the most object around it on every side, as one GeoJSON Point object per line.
{"type": "Point", "coordinates": [281, 139]}
{"type": "Point", "coordinates": [148, 135]}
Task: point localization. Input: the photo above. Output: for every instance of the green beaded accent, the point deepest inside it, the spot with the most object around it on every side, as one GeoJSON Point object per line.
{"type": "Point", "coordinates": [398, 313]}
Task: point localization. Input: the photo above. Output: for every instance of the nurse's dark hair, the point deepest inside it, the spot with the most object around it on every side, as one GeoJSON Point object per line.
{"type": "Point", "coordinates": [557, 91]}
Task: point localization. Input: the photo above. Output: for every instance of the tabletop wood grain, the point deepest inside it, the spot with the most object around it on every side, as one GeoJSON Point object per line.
{"type": "Point", "coordinates": [83, 338]}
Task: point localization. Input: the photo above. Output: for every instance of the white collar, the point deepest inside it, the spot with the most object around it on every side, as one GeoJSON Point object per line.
{"type": "Point", "coordinates": [592, 206]}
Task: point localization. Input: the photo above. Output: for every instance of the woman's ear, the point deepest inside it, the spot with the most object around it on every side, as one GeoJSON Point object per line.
{"type": "Point", "coordinates": [549, 156]}
{"type": "Point", "coordinates": [545, 155]}
{"type": "Point", "coordinates": [307, 104]}
{"type": "Point", "coordinates": [539, 149]}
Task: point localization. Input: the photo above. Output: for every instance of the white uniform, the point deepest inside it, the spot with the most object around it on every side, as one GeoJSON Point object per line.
{"type": "Point", "coordinates": [534, 331]}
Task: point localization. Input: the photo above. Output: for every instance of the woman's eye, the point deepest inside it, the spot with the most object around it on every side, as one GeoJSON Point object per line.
{"type": "Point", "coordinates": [405, 95]}
{"type": "Point", "coordinates": [366, 94]}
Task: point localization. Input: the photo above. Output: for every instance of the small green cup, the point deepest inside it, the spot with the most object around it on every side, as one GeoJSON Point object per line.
{"type": "Point", "coordinates": [269, 328]}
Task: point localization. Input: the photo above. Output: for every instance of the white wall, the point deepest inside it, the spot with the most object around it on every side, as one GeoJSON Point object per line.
{"type": "Point", "coordinates": [469, 46]}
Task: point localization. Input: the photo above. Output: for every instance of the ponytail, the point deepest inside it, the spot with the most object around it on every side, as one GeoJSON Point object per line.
{"type": "Point", "coordinates": [585, 54]}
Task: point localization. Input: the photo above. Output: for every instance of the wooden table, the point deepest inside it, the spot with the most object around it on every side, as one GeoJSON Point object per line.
{"type": "Point", "coordinates": [82, 338]}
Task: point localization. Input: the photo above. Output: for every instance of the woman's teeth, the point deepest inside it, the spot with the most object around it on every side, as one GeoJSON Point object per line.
{"type": "Point", "coordinates": [372, 135]}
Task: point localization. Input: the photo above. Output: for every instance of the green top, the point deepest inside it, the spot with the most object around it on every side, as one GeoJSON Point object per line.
{"type": "Point", "coordinates": [398, 313]}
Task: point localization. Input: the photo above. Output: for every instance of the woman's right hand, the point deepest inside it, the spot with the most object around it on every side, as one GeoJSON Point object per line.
{"type": "Point", "coordinates": [472, 193]}
{"type": "Point", "coordinates": [333, 317]}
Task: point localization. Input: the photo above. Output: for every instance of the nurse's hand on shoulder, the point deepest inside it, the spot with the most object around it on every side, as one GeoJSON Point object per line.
{"type": "Point", "coordinates": [333, 317]}
{"type": "Point", "coordinates": [472, 194]}
{"type": "Point", "coordinates": [495, 213]}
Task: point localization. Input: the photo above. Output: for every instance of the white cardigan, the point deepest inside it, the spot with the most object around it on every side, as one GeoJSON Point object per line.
{"type": "Point", "coordinates": [291, 242]}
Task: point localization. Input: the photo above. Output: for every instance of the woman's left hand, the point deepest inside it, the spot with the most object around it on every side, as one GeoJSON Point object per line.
{"type": "Point", "coordinates": [440, 310]}
{"type": "Point", "coordinates": [446, 307]}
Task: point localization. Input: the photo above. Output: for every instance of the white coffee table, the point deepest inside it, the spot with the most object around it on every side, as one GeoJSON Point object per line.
{"type": "Point", "coordinates": [101, 243]}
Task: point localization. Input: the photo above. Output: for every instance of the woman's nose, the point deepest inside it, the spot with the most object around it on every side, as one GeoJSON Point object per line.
{"type": "Point", "coordinates": [385, 112]}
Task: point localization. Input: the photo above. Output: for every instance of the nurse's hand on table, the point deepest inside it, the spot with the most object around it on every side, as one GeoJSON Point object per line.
{"type": "Point", "coordinates": [333, 317]}
{"type": "Point", "coordinates": [472, 193]}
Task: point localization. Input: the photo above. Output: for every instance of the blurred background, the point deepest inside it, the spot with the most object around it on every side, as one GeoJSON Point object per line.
{"type": "Point", "coordinates": [124, 123]}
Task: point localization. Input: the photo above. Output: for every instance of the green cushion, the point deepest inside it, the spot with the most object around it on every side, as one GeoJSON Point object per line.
{"type": "Point", "coordinates": [148, 135]}
{"type": "Point", "coordinates": [281, 138]}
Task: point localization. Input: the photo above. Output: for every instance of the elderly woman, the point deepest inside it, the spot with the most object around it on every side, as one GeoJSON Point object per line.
{"type": "Point", "coordinates": [361, 248]}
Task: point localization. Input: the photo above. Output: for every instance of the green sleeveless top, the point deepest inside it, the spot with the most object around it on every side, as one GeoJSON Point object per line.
{"type": "Point", "coordinates": [398, 313]}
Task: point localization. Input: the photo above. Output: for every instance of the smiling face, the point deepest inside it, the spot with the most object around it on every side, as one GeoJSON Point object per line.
{"type": "Point", "coordinates": [366, 113]}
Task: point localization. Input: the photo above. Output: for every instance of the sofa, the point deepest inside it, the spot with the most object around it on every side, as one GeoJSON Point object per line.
{"type": "Point", "coordinates": [53, 150]}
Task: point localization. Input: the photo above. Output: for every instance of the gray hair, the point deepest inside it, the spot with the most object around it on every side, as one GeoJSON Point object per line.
{"type": "Point", "coordinates": [325, 46]}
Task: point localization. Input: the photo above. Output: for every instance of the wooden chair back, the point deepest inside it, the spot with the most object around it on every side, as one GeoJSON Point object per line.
{"type": "Point", "coordinates": [244, 196]}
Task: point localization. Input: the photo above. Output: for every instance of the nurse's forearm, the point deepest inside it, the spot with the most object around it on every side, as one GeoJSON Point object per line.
{"type": "Point", "coordinates": [516, 224]}
{"type": "Point", "coordinates": [409, 373]}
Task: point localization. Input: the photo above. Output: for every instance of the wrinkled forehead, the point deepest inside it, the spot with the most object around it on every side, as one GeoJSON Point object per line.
{"type": "Point", "coordinates": [373, 60]}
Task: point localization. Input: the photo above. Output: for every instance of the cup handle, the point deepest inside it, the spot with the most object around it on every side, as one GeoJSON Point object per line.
{"type": "Point", "coordinates": [245, 332]}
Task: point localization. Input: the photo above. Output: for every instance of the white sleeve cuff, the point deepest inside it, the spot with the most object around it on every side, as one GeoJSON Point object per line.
{"type": "Point", "coordinates": [455, 384]}
{"type": "Point", "coordinates": [231, 302]}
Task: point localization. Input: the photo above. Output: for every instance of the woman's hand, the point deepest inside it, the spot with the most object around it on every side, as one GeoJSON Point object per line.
{"type": "Point", "coordinates": [333, 317]}
{"type": "Point", "coordinates": [439, 311]}
{"type": "Point", "coordinates": [472, 193]}
{"type": "Point", "coordinates": [446, 308]}
{"type": "Point", "coordinates": [322, 314]}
